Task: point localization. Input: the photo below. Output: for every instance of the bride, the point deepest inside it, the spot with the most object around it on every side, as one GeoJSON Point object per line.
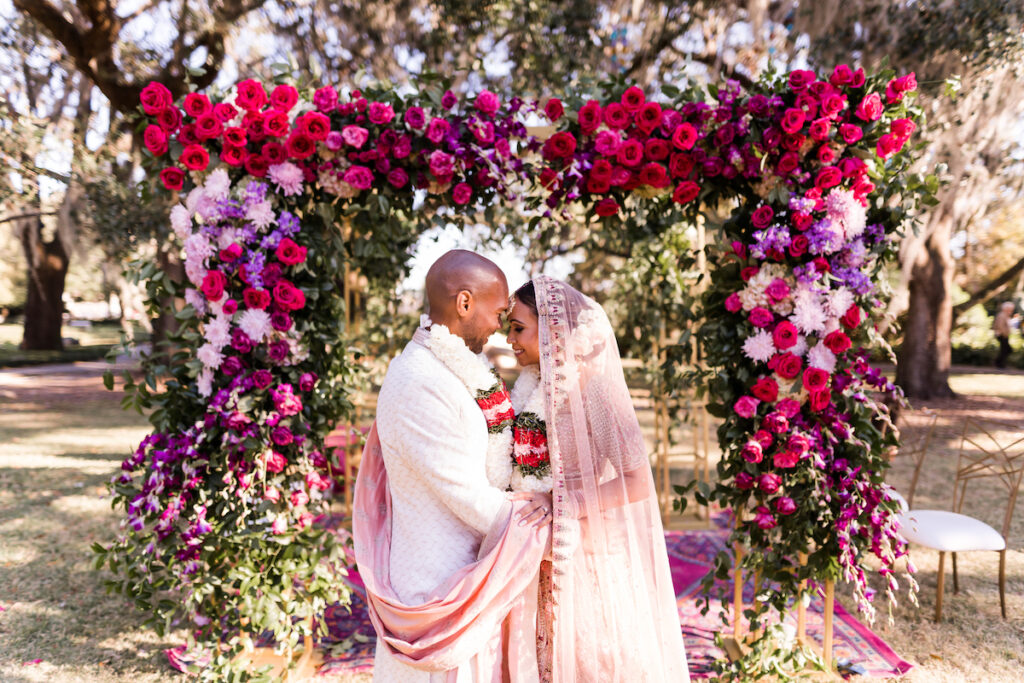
{"type": "Point", "coordinates": [606, 605]}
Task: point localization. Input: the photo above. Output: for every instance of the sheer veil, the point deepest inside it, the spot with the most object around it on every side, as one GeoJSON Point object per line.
{"type": "Point", "coordinates": [615, 613]}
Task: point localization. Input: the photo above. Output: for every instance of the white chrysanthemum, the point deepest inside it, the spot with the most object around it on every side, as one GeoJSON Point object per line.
{"type": "Point", "coordinates": [255, 323]}
{"type": "Point", "coordinates": [759, 347]}
{"type": "Point", "coordinates": [800, 347]}
{"type": "Point", "coordinates": [808, 315]}
{"type": "Point", "coordinates": [218, 332]}
{"type": "Point", "coordinates": [844, 209]}
{"type": "Point", "coordinates": [204, 383]}
{"type": "Point", "coordinates": [197, 248]}
{"type": "Point", "coordinates": [210, 356]}
{"type": "Point", "coordinates": [820, 357]}
{"type": "Point", "coordinates": [195, 271]}
{"type": "Point", "coordinates": [228, 237]}
{"type": "Point", "coordinates": [196, 300]}
{"type": "Point", "coordinates": [260, 214]}
{"type": "Point", "coordinates": [217, 184]}
{"type": "Point", "coordinates": [287, 176]}
{"type": "Point", "coordinates": [181, 222]}
{"type": "Point", "coordinates": [838, 302]}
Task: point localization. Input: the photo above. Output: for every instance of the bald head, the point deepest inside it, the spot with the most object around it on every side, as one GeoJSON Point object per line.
{"type": "Point", "coordinates": [467, 293]}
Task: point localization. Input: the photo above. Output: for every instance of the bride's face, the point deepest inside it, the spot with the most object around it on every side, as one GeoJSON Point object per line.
{"type": "Point", "coordinates": [522, 334]}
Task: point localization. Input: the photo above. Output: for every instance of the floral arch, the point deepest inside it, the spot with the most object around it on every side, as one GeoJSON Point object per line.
{"type": "Point", "coordinates": [277, 193]}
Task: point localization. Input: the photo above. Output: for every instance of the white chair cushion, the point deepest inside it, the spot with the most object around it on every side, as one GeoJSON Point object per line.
{"type": "Point", "coordinates": [948, 531]}
{"type": "Point", "coordinates": [899, 499]}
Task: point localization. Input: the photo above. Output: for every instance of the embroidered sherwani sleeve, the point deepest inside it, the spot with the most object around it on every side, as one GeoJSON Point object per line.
{"type": "Point", "coordinates": [428, 433]}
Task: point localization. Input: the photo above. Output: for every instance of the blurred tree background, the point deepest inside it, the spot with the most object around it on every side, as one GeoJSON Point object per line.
{"type": "Point", "coordinates": [70, 74]}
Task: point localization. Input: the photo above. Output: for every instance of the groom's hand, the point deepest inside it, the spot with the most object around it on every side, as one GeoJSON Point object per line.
{"type": "Point", "coordinates": [537, 509]}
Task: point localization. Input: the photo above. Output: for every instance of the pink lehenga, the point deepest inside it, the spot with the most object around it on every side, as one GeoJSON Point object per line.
{"type": "Point", "coordinates": [611, 612]}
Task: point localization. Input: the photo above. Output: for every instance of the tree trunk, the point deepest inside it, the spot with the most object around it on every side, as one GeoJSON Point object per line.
{"type": "Point", "coordinates": [44, 306]}
{"type": "Point", "coordinates": [925, 356]}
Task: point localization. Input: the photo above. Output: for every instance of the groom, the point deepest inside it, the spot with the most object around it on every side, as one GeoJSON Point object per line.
{"type": "Point", "coordinates": [433, 441]}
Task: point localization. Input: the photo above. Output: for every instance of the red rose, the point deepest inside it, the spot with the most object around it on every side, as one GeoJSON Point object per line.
{"type": "Point", "coordinates": [685, 192]}
{"type": "Point", "coordinates": [766, 389]}
{"type": "Point", "coordinates": [821, 265]}
{"type": "Point", "coordinates": [649, 117]}
{"type": "Point", "coordinates": [462, 193]}
{"type": "Point", "coordinates": [837, 341]}
{"type": "Point", "coordinates": [195, 158]}
{"type": "Point", "coordinates": [826, 155]}
{"type": "Point", "coordinates": [749, 272]}
{"type": "Point", "coordinates": [224, 112]}
{"type": "Point", "coordinates": [815, 379]}
{"type": "Point", "coordinates": [616, 116]}
{"type": "Point", "coordinates": [633, 99]}
{"type": "Point", "coordinates": [316, 125]}
{"type": "Point", "coordinates": [284, 97]}
{"type": "Point", "coordinates": [602, 169]}
{"type": "Point", "coordinates": [606, 207]}
{"type": "Point", "coordinates": [230, 253]}
{"type": "Point", "coordinates": [680, 165]}
{"type": "Point", "coordinates": [169, 119]}
{"type": "Point", "coordinates": [793, 120]}
{"type": "Point", "coordinates": [851, 318]}
{"type": "Point", "coordinates": [630, 153]}
{"type": "Point", "coordinates": [830, 176]}
{"type": "Point", "coordinates": [274, 152]}
{"type": "Point", "coordinates": [155, 98]}
{"type": "Point", "coordinates": [800, 79]}
{"type": "Point", "coordinates": [589, 117]}
{"type": "Point", "coordinates": [902, 128]}
{"type": "Point", "coordinates": [684, 136]}
{"type": "Point", "coordinates": [233, 155]}
{"type": "Point", "coordinates": [793, 141]}
{"type": "Point", "coordinates": [256, 298]}
{"type": "Point", "coordinates": [155, 139]}
{"type": "Point", "coordinates": [289, 253]}
{"type": "Point", "coordinates": [209, 126]}
{"type": "Point", "coordinates": [788, 163]}
{"type": "Point", "coordinates": [819, 400]}
{"type": "Point", "coordinates": [196, 104]}
{"type": "Point", "coordinates": [784, 335]}
{"type": "Point", "coordinates": [173, 178]}
{"type": "Point", "coordinates": [554, 109]}
{"type": "Point", "coordinates": [256, 165]}
{"type": "Point", "coordinates": [762, 216]}
{"type": "Point", "coordinates": [251, 95]}
{"type": "Point", "coordinates": [820, 129]}
{"type": "Point", "coordinates": [235, 135]}
{"type": "Point", "coordinates": [275, 124]}
{"type": "Point", "coordinates": [870, 108]}
{"type": "Point", "coordinates": [798, 246]}
{"type": "Point", "coordinates": [888, 145]}
{"type": "Point", "coordinates": [654, 175]}
{"type": "Point", "coordinates": [300, 145]}
{"type": "Point", "coordinates": [841, 75]}
{"type": "Point", "coordinates": [785, 459]}
{"type": "Point", "coordinates": [597, 184]}
{"type": "Point", "coordinates": [802, 221]}
{"type": "Point", "coordinates": [253, 124]}
{"type": "Point", "coordinates": [213, 285]}
{"type": "Point", "coordinates": [657, 150]}
{"type": "Point", "coordinates": [559, 146]}
{"type": "Point", "coordinates": [549, 178]}
{"type": "Point", "coordinates": [788, 365]}
{"type": "Point", "coordinates": [288, 296]}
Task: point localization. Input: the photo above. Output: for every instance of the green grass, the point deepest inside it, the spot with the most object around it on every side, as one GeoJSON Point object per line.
{"type": "Point", "coordinates": [93, 344]}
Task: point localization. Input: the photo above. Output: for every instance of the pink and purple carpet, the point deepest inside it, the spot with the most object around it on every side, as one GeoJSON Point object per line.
{"type": "Point", "coordinates": [349, 646]}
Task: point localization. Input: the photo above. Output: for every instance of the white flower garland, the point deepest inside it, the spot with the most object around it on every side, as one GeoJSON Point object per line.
{"type": "Point", "coordinates": [528, 397]}
{"type": "Point", "coordinates": [474, 371]}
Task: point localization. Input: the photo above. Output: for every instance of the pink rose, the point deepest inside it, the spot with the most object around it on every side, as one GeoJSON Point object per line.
{"type": "Point", "coordinates": [776, 423]}
{"type": "Point", "coordinates": [841, 75]}
{"type": "Point", "coordinates": [299, 498]}
{"type": "Point", "coordinates": [275, 462]}
{"type": "Point", "coordinates": [870, 108]}
{"type": "Point", "coordinates": [746, 406]}
{"type": "Point", "coordinates": [888, 145]}
{"type": "Point", "coordinates": [649, 117]}
{"type": "Point", "coordinates": [764, 519]}
{"type": "Point", "coordinates": [279, 526]}
{"type": "Point", "coordinates": [196, 104]}
{"type": "Point", "coordinates": [436, 130]}
{"type": "Point", "coordinates": [359, 177]}
{"type": "Point", "coordinates": [307, 381]}
{"type": "Point", "coordinates": [442, 164]}
{"type": "Point", "coordinates": [155, 98]}
{"type": "Point", "coordinates": [798, 443]}
{"type": "Point", "coordinates": [289, 253]}
{"type": "Point", "coordinates": [316, 481]}
{"type": "Point", "coordinates": [325, 99]}
{"type": "Point", "coordinates": [448, 100]}
{"type": "Point", "coordinates": [788, 366]}
{"type": "Point", "coordinates": [355, 136]}
{"type": "Point", "coordinates": [230, 253]}
{"type": "Point", "coordinates": [272, 495]}
{"type": "Point", "coordinates": [684, 136]}
{"type": "Point", "coordinates": [785, 459]}
{"type": "Point", "coordinates": [764, 437]}
{"type": "Point", "coordinates": [288, 296]}
{"type": "Point", "coordinates": [380, 113]}
{"type": "Point", "coordinates": [777, 290]}
{"type": "Point", "coordinates": [733, 303]}
{"type": "Point", "coordinates": [633, 99]}
{"type": "Point", "coordinates": [820, 129]}
{"type": "Point", "coordinates": [790, 407]}
{"type": "Point", "coordinates": [752, 452]}
{"type": "Point", "coordinates": [793, 120]}
{"type": "Point", "coordinates": [487, 102]}
{"type": "Point", "coordinates": [462, 193]}
{"type": "Point", "coordinates": [785, 506]}
{"type": "Point", "coordinates": [607, 142]}
{"type": "Point", "coordinates": [769, 482]}
{"type": "Point", "coordinates": [902, 129]}
{"type": "Point", "coordinates": [762, 216]}
{"type": "Point", "coordinates": [788, 163]}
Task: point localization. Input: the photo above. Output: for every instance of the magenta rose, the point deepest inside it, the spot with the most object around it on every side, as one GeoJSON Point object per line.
{"type": "Point", "coordinates": [233, 155]}
{"type": "Point", "coordinates": [832, 104]}
{"type": "Point", "coordinates": [277, 351]}
{"type": "Point", "coordinates": [397, 177]}
{"type": "Point", "coordinates": [442, 164]}
{"type": "Point", "coordinates": [553, 109]}
{"type": "Point", "coordinates": [793, 120]}
{"type": "Point", "coordinates": [761, 317]}
{"type": "Point", "coordinates": [285, 401]}
{"type": "Point", "coordinates": [300, 145]}
{"type": "Point", "coordinates": [359, 177]}
{"type": "Point", "coordinates": [487, 102]}
{"type": "Point", "coordinates": [850, 133]}
{"type": "Point", "coordinates": [785, 459]}
{"type": "Point", "coordinates": [800, 79]}
{"type": "Point", "coordinates": [733, 303]}
{"type": "Point", "coordinates": [230, 307]}
{"type": "Point", "coordinates": [436, 130]}
{"type": "Point", "coordinates": [284, 97]}
{"type": "Point", "coordinates": [764, 437]}
{"type": "Point", "coordinates": [230, 253]}
{"type": "Point", "coordinates": [769, 482]}
{"type": "Point", "coordinates": [275, 463]}
{"type": "Point", "coordinates": [815, 379]}
{"type": "Point", "coordinates": [684, 136]}
{"type": "Point", "coordinates": [462, 193]}
{"type": "Point", "coordinates": [798, 443]}
{"type": "Point", "coordinates": [606, 207]}
{"type": "Point", "coordinates": [841, 75]}
{"type": "Point", "coordinates": [325, 99]}
{"type": "Point", "coordinates": [685, 192]}
{"type": "Point", "coordinates": [788, 163]}
{"type": "Point", "coordinates": [289, 253]}
{"type": "Point", "coordinates": [155, 139]}
{"type": "Point", "coordinates": [213, 285]}
{"type": "Point", "coordinates": [240, 341]}
{"type": "Point", "coordinates": [271, 273]}
{"type": "Point", "coordinates": [819, 400]}
{"type": "Point", "coordinates": [830, 176]}
{"type": "Point", "coordinates": [777, 290]}
{"type": "Point", "coordinates": [764, 519]}
{"type": "Point", "coordinates": [155, 98]}
{"type": "Point", "coordinates": [280, 321]}
{"type": "Point", "coordinates": [776, 423]}
{"type": "Point", "coordinates": [288, 296]}
{"type": "Point", "coordinates": [657, 149]}
{"type": "Point", "coordinates": [616, 116]}
{"type": "Point", "coordinates": [307, 381]}
{"type": "Point", "coordinates": [746, 406]}
{"type": "Point", "coordinates": [752, 452]}
{"type": "Point", "coordinates": [790, 407]}
{"type": "Point", "coordinates": [744, 481]}
{"type": "Point", "coordinates": [195, 158]}
{"type": "Point", "coordinates": [315, 125]}
{"type": "Point", "coordinates": [173, 178]}
{"type": "Point", "coordinates": [415, 118]}
{"type": "Point", "coordinates": [231, 366]}
{"type": "Point", "coordinates": [196, 104]}
{"type": "Point", "coordinates": [762, 216]}
{"type": "Point", "coordinates": [275, 124]}
{"type": "Point", "coordinates": [448, 100]}
{"type": "Point", "coordinates": [837, 342]}
{"type": "Point", "coordinates": [851, 318]}
{"type": "Point", "coordinates": [902, 129]}
{"type": "Point", "coordinates": [798, 246]}
{"type": "Point", "coordinates": [380, 113]}
{"type": "Point", "coordinates": [888, 145]}
{"type": "Point", "coordinates": [607, 143]}
{"type": "Point", "coordinates": [820, 129]}
{"type": "Point", "coordinates": [785, 506]}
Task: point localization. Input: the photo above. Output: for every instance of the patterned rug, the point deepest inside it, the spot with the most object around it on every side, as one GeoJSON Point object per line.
{"type": "Point", "coordinates": [349, 647]}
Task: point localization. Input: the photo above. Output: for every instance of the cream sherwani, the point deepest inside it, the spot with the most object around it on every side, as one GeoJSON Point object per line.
{"type": "Point", "coordinates": [433, 439]}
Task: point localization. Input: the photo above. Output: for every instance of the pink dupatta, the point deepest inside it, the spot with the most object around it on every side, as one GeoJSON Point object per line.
{"type": "Point", "coordinates": [457, 624]}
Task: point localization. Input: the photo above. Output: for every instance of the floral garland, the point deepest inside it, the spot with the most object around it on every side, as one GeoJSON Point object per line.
{"type": "Point", "coordinates": [532, 466]}
{"type": "Point", "coordinates": [486, 387]}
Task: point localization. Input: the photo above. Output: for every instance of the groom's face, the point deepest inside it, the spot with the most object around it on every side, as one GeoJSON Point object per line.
{"type": "Point", "coordinates": [486, 314]}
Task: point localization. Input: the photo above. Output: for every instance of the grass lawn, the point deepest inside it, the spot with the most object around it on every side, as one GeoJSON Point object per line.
{"type": "Point", "coordinates": [62, 437]}
{"type": "Point", "coordinates": [93, 344]}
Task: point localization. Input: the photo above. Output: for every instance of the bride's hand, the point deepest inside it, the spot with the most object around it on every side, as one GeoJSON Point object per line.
{"type": "Point", "coordinates": [537, 509]}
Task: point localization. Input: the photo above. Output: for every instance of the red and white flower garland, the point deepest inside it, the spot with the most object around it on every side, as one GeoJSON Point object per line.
{"type": "Point", "coordinates": [487, 388]}
{"type": "Point", "coordinates": [531, 462]}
